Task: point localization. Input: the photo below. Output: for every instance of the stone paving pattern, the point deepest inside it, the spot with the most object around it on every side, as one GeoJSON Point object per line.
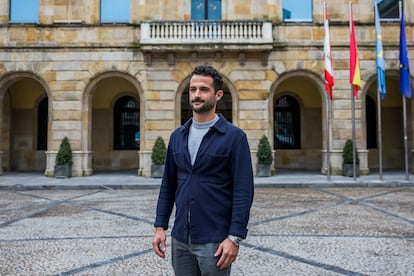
{"type": "Point", "coordinates": [292, 231]}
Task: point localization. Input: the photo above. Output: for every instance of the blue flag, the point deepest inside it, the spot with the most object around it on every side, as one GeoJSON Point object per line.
{"type": "Point", "coordinates": [405, 85]}
{"type": "Point", "coordinates": [379, 56]}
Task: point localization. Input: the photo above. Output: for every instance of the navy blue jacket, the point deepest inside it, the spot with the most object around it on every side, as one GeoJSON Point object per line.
{"type": "Point", "coordinates": [212, 198]}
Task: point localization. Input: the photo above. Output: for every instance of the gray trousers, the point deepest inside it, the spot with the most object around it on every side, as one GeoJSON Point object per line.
{"type": "Point", "coordinates": [195, 259]}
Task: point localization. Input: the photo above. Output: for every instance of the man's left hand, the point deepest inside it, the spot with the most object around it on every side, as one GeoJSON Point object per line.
{"type": "Point", "coordinates": [228, 253]}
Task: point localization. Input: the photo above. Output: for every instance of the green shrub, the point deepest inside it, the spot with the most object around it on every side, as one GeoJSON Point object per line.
{"type": "Point", "coordinates": [264, 152]}
{"type": "Point", "coordinates": [347, 153]}
{"type": "Point", "coordinates": [64, 156]}
{"type": "Point", "coordinates": [159, 151]}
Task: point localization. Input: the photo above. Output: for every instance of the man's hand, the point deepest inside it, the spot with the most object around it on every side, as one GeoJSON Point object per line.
{"type": "Point", "coordinates": [159, 242]}
{"type": "Point", "coordinates": [228, 251]}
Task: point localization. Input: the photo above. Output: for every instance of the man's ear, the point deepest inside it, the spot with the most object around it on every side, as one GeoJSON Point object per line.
{"type": "Point", "coordinates": [219, 94]}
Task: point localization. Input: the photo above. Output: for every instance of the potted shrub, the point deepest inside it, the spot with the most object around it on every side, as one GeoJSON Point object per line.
{"type": "Point", "coordinates": [158, 155]}
{"type": "Point", "coordinates": [63, 163]}
{"type": "Point", "coordinates": [264, 157]}
{"type": "Point", "coordinates": [347, 159]}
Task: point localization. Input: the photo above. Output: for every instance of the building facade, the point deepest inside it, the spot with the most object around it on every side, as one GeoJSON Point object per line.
{"type": "Point", "coordinates": [114, 77]}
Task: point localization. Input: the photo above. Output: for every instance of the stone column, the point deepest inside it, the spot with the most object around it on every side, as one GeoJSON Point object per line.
{"type": "Point", "coordinates": [87, 163]}
{"type": "Point", "coordinates": [50, 163]}
{"type": "Point", "coordinates": [144, 163]}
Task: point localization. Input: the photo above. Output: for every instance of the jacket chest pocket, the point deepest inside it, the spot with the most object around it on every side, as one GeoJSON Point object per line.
{"type": "Point", "coordinates": [214, 163]}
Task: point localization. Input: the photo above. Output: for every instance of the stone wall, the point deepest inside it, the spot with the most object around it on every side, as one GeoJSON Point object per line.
{"type": "Point", "coordinates": [72, 59]}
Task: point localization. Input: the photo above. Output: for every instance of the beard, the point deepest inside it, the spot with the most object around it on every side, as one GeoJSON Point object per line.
{"type": "Point", "coordinates": [207, 105]}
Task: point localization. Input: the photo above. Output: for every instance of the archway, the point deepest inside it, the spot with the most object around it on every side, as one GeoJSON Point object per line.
{"type": "Point", "coordinates": [392, 131]}
{"type": "Point", "coordinates": [297, 117]}
{"type": "Point", "coordinates": [113, 108]}
{"type": "Point", "coordinates": [24, 122]}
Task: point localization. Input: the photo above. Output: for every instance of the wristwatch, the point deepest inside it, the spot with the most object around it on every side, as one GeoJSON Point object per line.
{"type": "Point", "coordinates": [236, 240]}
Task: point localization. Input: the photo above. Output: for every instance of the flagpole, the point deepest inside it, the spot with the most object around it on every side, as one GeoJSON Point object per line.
{"type": "Point", "coordinates": [353, 134]}
{"type": "Point", "coordinates": [328, 161]}
{"type": "Point", "coordinates": [405, 139]}
{"type": "Point", "coordinates": [404, 114]}
{"type": "Point", "coordinates": [379, 135]}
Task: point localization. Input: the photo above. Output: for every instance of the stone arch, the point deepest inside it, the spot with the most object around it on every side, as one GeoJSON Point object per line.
{"type": "Point", "coordinates": [313, 105]}
{"type": "Point", "coordinates": [391, 123]}
{"type": "Point", "coordinates": [87, 110]}
{"type": "Point", "coordinates": [25, 157]}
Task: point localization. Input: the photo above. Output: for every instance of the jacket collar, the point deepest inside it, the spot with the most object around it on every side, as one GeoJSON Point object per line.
{"type": "Point", "coordinates": [219, 126]}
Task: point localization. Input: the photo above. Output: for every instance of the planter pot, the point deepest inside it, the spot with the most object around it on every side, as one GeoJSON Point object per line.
{"type": "Point", "coordinates": [348, 169]}
{"type": "Point", "coordinates": [157, 171]}
{"type": "Point", "coordinates": [263, 170]}
{"type": "Point", "coordinates": [63, 171]}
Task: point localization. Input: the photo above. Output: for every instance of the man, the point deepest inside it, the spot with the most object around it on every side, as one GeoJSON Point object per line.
{"type": "Point", "coordinates": [208, 175]}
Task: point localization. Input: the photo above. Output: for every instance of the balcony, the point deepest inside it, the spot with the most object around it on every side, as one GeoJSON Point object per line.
{"type": "Point", "coordinates": [208, 34]}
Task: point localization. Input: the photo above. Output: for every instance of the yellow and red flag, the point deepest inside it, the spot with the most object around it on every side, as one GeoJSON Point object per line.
{"type": "Point", "coordinates": [354, 73]}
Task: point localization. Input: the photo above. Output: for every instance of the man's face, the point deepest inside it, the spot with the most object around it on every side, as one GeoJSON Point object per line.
{"type": "Point", "coordinates": [203, 99]}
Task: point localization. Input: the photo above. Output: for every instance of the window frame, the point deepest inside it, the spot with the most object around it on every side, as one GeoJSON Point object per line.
{"type": "Point", "coordinates": [121, 107]}
{"type": "Point", "coordinates": [32, 20]}
{"type": "Point", "coordinates": [295, 111]}
{"type": "Point", "coordinates": [396, 19]}
{"type": "Point", "coordinates": [207, 14]}
{"type": "Point", "coordinates": [113, 20]}
{"type": "Point", "coordinates": [298, 20]}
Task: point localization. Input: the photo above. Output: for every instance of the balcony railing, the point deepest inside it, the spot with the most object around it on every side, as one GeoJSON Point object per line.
{"type": "Point", "coordinates": [208, 31]}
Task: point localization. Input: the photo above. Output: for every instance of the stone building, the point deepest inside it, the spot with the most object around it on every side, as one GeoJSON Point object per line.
{"type": "Point", "coordinates": [114, 77]}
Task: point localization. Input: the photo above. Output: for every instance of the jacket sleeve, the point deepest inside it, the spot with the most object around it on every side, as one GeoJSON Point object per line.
{"type": "Point", "coordinates": [168, 187]}
{"type": "Point", "coordinates": [243, 187]}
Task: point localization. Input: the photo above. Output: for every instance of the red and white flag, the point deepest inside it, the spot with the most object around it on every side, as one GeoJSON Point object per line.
{"type": "Point", "coordinates": [329, 76]}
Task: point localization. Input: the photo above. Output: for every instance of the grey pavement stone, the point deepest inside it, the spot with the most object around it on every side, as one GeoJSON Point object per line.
{"type": "Point", "coordinates": [292, 231]}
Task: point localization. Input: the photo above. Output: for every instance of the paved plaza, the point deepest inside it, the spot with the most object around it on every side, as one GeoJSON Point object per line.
{"type": "Point", "coordinates": [313, 230]}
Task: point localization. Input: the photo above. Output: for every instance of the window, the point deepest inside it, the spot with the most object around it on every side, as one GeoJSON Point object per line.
{"type": "Point", "coordinates": [24, 11]}
{"type": "Point", "coordinates": [297, 10]}
{"type": "Point", "coordinates": [389, 10]}
{"type": "Point", "coordinates": [371, 122]}
{"type": "Point", "coordinates": [286, 123]}
{"type": "Point", "coordinates": [42, 111]}
{"type": "Point", "coordinates": [206, 9]}
{"type": "Point", "coordinates": [115, 11]}
{"type": "Point", "coordinates": [126, 124]}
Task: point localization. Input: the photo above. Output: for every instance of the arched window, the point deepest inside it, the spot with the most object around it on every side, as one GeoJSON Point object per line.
{"type": "Point", "coordinates": [286, 123]}
{"type": "Point", "coordinates": [224, 106]}
{"type": "Point", "coordinates": [42, 111]}
{"type": "Point", "coordinates": [126, 124]}
{"type": "Point", "coordinates": [371, 122]}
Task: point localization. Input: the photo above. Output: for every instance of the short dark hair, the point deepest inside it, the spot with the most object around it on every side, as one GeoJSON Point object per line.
{"type": "Point", "coordinates": [207, 70]}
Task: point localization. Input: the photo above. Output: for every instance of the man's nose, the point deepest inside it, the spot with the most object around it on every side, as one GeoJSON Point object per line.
{"type": "Point", "coordinates": [197, 92]}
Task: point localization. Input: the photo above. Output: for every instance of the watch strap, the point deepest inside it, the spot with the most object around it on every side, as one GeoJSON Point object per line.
{"type": "Point", "coordinates": [236, 240]}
